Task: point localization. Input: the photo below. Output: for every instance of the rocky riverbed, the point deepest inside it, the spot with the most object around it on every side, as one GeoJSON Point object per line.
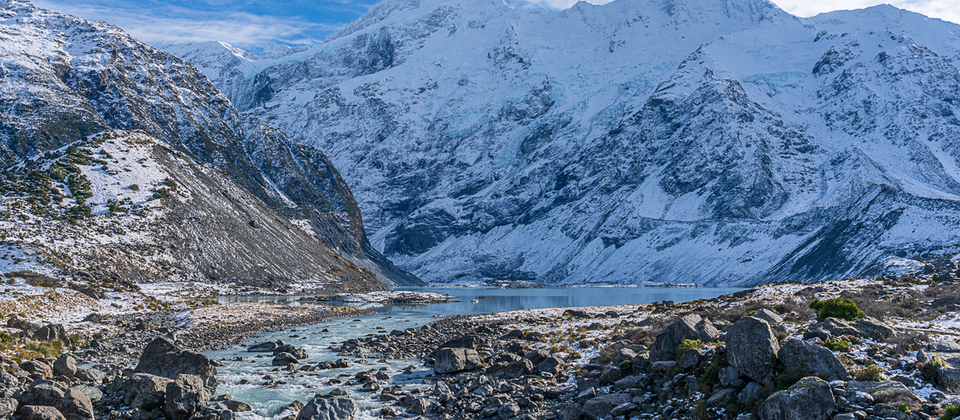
{"type": "Point", "coordinates": [760, 353]}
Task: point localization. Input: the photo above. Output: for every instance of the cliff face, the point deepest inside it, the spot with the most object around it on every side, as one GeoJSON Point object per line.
{"type": "Point", "coordinates": [639, 141]}
{"type": "Point", "coordinates": [64, 79]}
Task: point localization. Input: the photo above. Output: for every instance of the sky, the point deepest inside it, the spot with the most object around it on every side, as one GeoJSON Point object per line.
{"type": "Point", "coordinates": [253, 24]}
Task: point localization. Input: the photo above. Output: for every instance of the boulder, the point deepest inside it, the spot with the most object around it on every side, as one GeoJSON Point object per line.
{"type": "Point", "coordinates": [8, 406]}
{"type": "Point", "coordinates": [665, 346]}
{"type": "Point", "coordinates": [51, 332]}
{"type": "Point", "coordinates": [7, 380]}
{"type": "Point", "coordinates": [90, 375]}
{"type": "Point", "coordinates": [886, 392]}
{"type": "Point", "coordinates": [570, 411]}
{"type": "Point", "coordinates": [508, 410]}
{"type": "Point", "coordinates": [469, 341]}
{"type": "Point", "coordinates": [690, 359]}
{"type": "Point", "coordinates": [641, 363]}
{"type": "Point", "coordinates": [722, 398]}
{"type": "Point", "coordinates": [550, 365]}
{"type": "Point", "coordinates": [944, 372]}
{"type": "Point", "coordinates": [266, 347]}
{"type": "Point", "coordinates": [65, 365]}
{"type": "Point", "coordinates": [812, 360]}
{"type": "Point", "coordinates": [451, 360]}
{"type": "Point", "coordinates": [185, 396]}
{"type": "Point", "coordinates": [37, 368]}
{"type": "Point", "coordinates": [328, 409]}
{"type": "Point", "coordinates": [92, 392]}
{"type": "Point", "coordinates": [146, 391]}
{"type": "Point", "coordinates": [70, 403]}
{"type": "Point", "coordinates": [600, 407]}
{"type": "Point", "coordinates": [610, 375]}
{"type": "Point", "coordinates": [873, 328]}
{"type": "Point", "coordinates": [706, 332]}
{"type": "Point", "coordinates": [27, 327]}
{"type": "Point", "coordinates": [829, 328]}
{"type": "Point", "coordinates": [750, 394]}
{"type": "Point", "coordinates": [769, 315]}
{"type": "Point", "coordinates": [752, 349]}
{"type": "Point", "coordinates": [809, 399]}
{"type": "Point", "coordinates": [40, 412]}
{"type": "Point", "coordinates": [518, 369]}
{"type": "Point", "coordinates": [537, 356]}
{"type": "Point", "coordinates": [283, 359]}
{"type": "Point", "coordinates": [164, 358]}
{"type": "Point", "coordinates": [729, 376]}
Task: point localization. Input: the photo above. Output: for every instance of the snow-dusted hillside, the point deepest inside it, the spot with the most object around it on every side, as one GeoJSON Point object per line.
{"type": "Point", "coordinates": [640, 141]}
{"type": "Point", "coordinates": [63, 79]}
{"type": "Point", "coordinates": [123, 207]}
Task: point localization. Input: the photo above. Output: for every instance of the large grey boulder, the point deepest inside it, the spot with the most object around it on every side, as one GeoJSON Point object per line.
{"type": "Point", "coordinates": [451, 360]}
{"type": "Point", "coordinates": [71, 403]}
{"type": "Point", "coordinates": [873, 328]}
{"type": "Point", "coordinates": [65, 365]}
{"type": "Point", "coordinates": [706, 332]}
{"type": "Point", "coordinates": [730, 376]}
{"type": "Point", "coordinates": [185, 396]}
{"type": "Point", "coordinates": [771, 316]}
{"type": "Point", "coordinates": [809, 399]}
{"type": "Point", "coordinates": [600, 407]}
{"type": "Point", "coordinates": [40, 412]}
{"type": "Point", "coordinates": [8, 406]}
{"type": "Point", "coordinates": [146, 391]}
{"type": "Point", "coordinates": [752, 349]}
{"type": "Point", "coordinates": [164, 358]}
{"type": "Point", "coordinates": [328, 409]}
{"type": "Point", "coordinates": [665, 346]}
{"type": "Point", "coordinates": [812, 360]}
{"type": "Point", "coordinates": [283, 359]}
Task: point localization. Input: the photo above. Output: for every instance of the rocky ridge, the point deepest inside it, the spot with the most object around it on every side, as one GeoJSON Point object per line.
{"type": "Point", "coordinates": [66, 79]}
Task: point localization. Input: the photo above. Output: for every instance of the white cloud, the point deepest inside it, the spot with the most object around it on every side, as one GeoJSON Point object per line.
{"type": "Point", "coordinates": [941, 9]}
{"type": "Point", "coordinates": [241, 29]}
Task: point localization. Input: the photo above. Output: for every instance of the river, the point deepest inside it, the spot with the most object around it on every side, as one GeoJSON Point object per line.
{"type": "Point", "coordinates": [245, 379]}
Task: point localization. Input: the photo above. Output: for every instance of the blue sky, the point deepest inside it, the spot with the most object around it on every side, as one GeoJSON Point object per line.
{"type": "Point", "coordinates": [251, 24]}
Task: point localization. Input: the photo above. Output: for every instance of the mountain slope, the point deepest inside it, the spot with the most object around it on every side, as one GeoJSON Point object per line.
{"type": "Point", "coordinates": [639, 141]}
{"type": "Point", "coordinates": [65, 79]}
{"type": "Point", "coordinates": [122, 207]}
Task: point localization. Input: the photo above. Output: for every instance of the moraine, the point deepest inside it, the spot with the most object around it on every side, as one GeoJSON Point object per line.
{"type": "Point", "coordinates": [269, 396]}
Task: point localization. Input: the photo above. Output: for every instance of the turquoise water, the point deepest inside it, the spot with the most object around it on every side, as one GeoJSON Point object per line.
{"type": "Point", "coordinates": [303, 386]}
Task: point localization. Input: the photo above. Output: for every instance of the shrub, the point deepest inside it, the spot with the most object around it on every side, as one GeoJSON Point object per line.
{"type": "Point", "coordinates": [903, 407]}
{"type": "Point", "coordinates": [837, 344]}
{"type": "Point", "coordinates": [951, 411]}
{"type": "Point", "coordinates": [836, 308]}
{"type": "Point", "coordinates": [872, 373]}
{"type": "Point", "coordinates": [688, 345]}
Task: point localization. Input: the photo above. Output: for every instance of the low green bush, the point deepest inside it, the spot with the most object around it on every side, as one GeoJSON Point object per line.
{"type": "Point", "coordinates": [836, 308]}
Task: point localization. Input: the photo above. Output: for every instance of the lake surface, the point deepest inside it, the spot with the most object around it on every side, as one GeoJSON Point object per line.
{"type": "Point", "coordinates": [267, 400]}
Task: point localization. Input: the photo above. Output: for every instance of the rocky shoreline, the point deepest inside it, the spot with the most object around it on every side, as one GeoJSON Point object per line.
{"type": "Point", "coordinates": [767, 353]}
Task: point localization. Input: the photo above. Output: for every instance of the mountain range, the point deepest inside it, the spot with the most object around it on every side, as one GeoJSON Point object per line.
{"type": "Point", "coordinates": [642, 141]}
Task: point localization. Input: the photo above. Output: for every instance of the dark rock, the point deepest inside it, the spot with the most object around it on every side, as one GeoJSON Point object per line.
{"type": "Point", "coordinates": [328, 409]}
{"type": "Point", "coordinates": [752, 349]}
{"type": "Point", "coordinates": [51, 332]}
{"type": "Point", "coordinates": [665, 346]}
{"type": "Point", "coordinates": [164, 358]}
{"type": "Point", "coordinates": [769, 315]}
{"type": "Point", "coordinates": [641, 363]}
{"type": "Point", "coordinates": [730, 377]}
{"type": "Point", "coordinates": [65, 365]}
{"type": "Point", "coordinates": [751, 394]}
{"type": "Point", "coordinates": [722, 398]}
{"type": "Point", "coordinates": [812, 360]}
{"type": "Point", "coordinates": [283, 359]}
{"type": "Point", "coordinates": [690, 359]}
{"type": "Point", "coordinates": [886, 392]}
{"type": "Point", "coordinates": [706, 332]}
{"type": "Point", "coordinates": [421, 406]}
{"type": "Point", "coordinates": [92, 392]}
{"type": "Point", "coordinates": [632, 381]}
{"type": "Point", "coordinates": [185, 396]}
{"type": "Point", "coordinates": [610, 375]}
{"type": "Point", "coordinates": [570, 411]}
{"type": "Point", "coordinates": [146, 391]}
{"type": "Point", "coordinates": [508, 410]}
{"type": "Point", "coordinates": [537, 356]}
{"type": "Point", "coordinates": [90, 375]}
{"type": "Point", "coordinates": [39, 412]}
{"type": "Point", "coordinates": [465, 342]}
{"type": "Point", "coordinates": [550, 365]}
{"type": "Point", "coordinates": [450, 360]}
{"type": "Point", "coordinates": [873, 328]}
{"type": "Point", "coordinates": [27, 327]}
{"type": "Point", "coordinates": [809, 399]}
{"type": "Point", "coordinates": [266, 347]}
{"type": "Point", "coordinates": [518, 369]}
{"type": "Point", "coordinates": [72, 404]}
{"type": "Point", "coordinates": [623, 409]}
{"type": "Point", "coordinates": [601, 406]}
{"type": "Point", "coordinates": [37, 368]}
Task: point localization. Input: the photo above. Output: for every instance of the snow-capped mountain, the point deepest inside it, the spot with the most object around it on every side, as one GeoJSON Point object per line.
{"type": "Point", "coordinates": [63, 79]}
{"type": "Point", "coordinates": [700, 141]}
